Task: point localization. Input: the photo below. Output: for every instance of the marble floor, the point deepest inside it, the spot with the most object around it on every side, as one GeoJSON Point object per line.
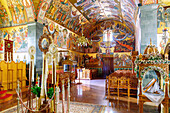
{"type": "Point", "coordinates": [93, 91]}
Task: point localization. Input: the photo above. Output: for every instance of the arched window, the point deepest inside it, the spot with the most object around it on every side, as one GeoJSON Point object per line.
{"type": "Point", "coordinates": [107, 36]}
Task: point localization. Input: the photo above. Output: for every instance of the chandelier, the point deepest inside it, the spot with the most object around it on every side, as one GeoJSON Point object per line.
{"type": "Point", "coordinates": [83, 41]}
{"type": "Point", "coordinates": [108, 39]}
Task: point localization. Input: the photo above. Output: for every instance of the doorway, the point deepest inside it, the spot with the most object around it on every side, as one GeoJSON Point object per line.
{"type": "Point", "coordinates": [108, 67]}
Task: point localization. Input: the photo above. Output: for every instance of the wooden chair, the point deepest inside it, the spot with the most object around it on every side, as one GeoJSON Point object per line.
{"type": "Point", "coordinates": [124, 84]}
{"type": "Point", "coordinates": [112, 86]}
{"type": "Point", "coordinates": [123, 80]}
{"type": "Point", "coordinates": [133, 82]}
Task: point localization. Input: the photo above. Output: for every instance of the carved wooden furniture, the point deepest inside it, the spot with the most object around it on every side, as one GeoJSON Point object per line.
{"type": "Point", "coordinates": [62, 76]}
{"type": "Point", "coordinates": [121, 82]}
{"type": "Point", "coordinates": [143, 98]}
{"type": "Point", "coordinates": [152, 60]}
{"type": "Point", "coordinates": [124, 83]}
{"type": "Point", "coordinates": [113, 85]}
{"type": "Point", "coordinates": [10, 72]}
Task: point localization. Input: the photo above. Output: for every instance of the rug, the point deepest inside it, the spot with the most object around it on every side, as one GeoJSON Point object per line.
{"type": "Point", "coordinates": [75, 107]}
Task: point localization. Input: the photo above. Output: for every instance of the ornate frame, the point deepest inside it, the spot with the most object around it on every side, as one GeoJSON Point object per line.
{"type": "Point", "coordinates": [44, 36]}
{"type": "Point", "coordinates": [163, 69]}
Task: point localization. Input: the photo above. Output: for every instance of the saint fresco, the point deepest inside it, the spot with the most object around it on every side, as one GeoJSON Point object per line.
{"type": "Point", "coordinates": [19, 37]}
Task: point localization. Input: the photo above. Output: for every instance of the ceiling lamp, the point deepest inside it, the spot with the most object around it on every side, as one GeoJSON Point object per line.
{"type": "Point", "coordinates": [108, 39]}
{"type": "Point", "coordinates": [83, 41]}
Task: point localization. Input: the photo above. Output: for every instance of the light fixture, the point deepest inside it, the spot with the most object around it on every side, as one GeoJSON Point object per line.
{"type": "Point", "coordinates": [83, 41]}
{"type": "Point", "coordinates": [108, 39]}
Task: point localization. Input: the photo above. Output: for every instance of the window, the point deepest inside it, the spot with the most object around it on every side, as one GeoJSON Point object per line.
{"type": "Point", "coordinates": [107, 36]}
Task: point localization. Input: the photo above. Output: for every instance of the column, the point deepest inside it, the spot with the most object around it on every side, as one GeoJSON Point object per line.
{"type": "Point", "coordinates": [148, 22]}
{"type": "Point", "coordinates": [35, 30]}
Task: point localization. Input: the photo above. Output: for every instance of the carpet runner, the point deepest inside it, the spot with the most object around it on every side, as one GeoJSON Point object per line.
{"type": "Point", "coordinates": [75, 107]}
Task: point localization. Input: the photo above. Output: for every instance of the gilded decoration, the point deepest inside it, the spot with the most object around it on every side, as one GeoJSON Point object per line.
{"type": "Point", "coordinates": [44, 43]}
{"type": "Point", "coordinates": [152, 60]}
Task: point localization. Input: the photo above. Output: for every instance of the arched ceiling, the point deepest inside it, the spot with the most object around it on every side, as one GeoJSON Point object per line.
{"type": "Point", "coordinates": [71, 13]}
{"type": "Point", "coordinates": [67, 12]}
{"type": "Point", "coordinates": [99, 10]}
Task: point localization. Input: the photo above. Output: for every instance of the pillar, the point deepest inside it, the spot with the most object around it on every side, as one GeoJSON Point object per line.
{"type": "Point", "coordinates": [148, 22]}
{"type": "Point", "coordinates": [35, 30]}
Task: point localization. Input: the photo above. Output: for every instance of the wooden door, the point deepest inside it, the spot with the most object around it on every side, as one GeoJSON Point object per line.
{"type": "Point", "coordinates": [108, 67]}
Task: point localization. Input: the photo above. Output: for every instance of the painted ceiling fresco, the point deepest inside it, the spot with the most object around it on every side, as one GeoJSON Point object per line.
{"type": "Point", "coordinates": [100, 10]}
{"type": "Point", "coordinates": [96, 16]}
{"type": "Point", "coordinates": [4, 19]}
{"type": "Point", "coordinates": [146, 2]}
{"type": "Point", "coordinates": [65, 14]}
{"type": "Point", "coordinates": [16, 12]}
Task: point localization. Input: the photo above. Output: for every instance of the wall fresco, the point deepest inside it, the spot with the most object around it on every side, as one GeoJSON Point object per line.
{"type": "Point", "coordinates": [122, 60]}
{"type": "Point", "coordinates": [4, 19]}
{"type": "Point", "coordinates": [19, 37]}
{"type": "Point", "coordinates": [163, 18]}
{"type": "Point", "coordinates": [62, 37]}
{"type": "Point", "coordinates": [122, 35]}
{"type": "Point", "coordinates": [65, 14]}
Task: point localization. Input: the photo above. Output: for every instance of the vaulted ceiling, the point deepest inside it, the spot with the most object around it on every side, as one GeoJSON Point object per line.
{"type": "Point", "coordinates": [71, 13]}
{"type": "Point", "coordinates": [92, 10]}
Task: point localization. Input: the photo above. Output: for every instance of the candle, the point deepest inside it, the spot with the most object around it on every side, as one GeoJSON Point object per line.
{"type": "Point", "coordinates": [57, 79]}
{"type": "Point", "coordinates": [68, 97]}
{"type": "Point", "coordinates": [63, 96]}
{"type": "Point", "coordinates": [54, 72]}
{"type": "Point", "coordinates": [57, 97]}
{"type": "Point", "coordinates": [37, 79]}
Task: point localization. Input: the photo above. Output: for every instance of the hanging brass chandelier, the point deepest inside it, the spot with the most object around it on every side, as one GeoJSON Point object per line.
{"type": "Point", "coordinates": [83, 41]}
